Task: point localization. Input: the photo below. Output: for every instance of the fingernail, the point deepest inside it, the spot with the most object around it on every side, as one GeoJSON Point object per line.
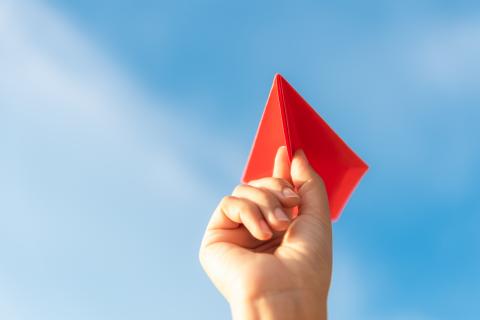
{"type": "Point", "coordinates": [280, 215]}
{"type": "Point", "coordinates": [289, 193]}
{"type": "Point", "coordinates": [264, 227]}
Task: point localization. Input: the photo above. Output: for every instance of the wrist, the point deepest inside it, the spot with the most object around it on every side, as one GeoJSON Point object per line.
{"type": "Point", "coordinates": [283, 305]}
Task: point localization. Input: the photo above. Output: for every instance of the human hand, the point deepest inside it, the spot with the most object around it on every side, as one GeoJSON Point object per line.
{"type": "Point", "coordinates": [270, 265]}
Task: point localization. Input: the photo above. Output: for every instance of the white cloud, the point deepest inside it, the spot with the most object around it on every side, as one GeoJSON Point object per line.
{"type": "Point", "coordinates": [358, 288]}
{"type": "Point", "coordinates": [93, 170]}
{"type": "Point", "coordinates": [349, 295]}
{"type": "Point", "coordinates": [73, 124]}
{"type": "Point", "coordinates": [78, 135]}
{"type": "Point", "coordinates": [447, 55]}
{"type": "Point", "coordinates": [8, 309]}
{"type": "Point", "coordinates": [53, 81]}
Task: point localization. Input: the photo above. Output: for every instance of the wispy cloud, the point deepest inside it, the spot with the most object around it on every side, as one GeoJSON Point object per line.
{"type": "Point", "coordinates": [446, 57]}
{"type": "Point", "coordinates": [93, 170]}
{"type": "Point", "coordinates": [98, 178]}
{"type": "Point", "coordinates": [79, 139]}
{"type": "Point", "coordinates": [58, 90]}
{"type": "Point", "coordinates": [350, 296]}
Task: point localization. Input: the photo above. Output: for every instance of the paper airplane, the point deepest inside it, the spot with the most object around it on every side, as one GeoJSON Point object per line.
{"type": "Point", "coordinates": [288, 120]}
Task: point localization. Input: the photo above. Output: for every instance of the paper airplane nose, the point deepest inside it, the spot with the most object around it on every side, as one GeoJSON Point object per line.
{"type": "Point", "coordinates": [288, 120]}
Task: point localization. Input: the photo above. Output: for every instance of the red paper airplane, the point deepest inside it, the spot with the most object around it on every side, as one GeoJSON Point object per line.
{"type": "Point", "coordinates": [289, 120]}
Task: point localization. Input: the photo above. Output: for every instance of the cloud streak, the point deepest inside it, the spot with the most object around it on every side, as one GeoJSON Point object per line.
{"type": "Point", "coordinates": [92, 174]}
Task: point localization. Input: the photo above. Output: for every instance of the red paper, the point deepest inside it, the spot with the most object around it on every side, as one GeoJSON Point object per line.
{"type": "Point", "coordinates": [289, 120]}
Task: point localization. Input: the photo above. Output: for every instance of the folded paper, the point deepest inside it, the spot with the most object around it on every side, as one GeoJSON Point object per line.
{"type": "Point", "coordinates": [288, 120]}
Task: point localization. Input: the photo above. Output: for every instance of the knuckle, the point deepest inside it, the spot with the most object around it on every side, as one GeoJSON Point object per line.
{"type": "Point", "coordinates": [270, 183]}
{"type": "Point", "coordinates": [225, 200]}
{"type": "Point", "coordinates": [238, 189]}
{"type": "Point", "coordinates": [256, 182]}
{"type": "Point", "coordinates": [266, 197]}
{"type": "Point", "coordinates": [247, 208]}
{"type": "Point", "coordinates": [277, 183]}
{"type": "Point", "coordinates": [244, 206]}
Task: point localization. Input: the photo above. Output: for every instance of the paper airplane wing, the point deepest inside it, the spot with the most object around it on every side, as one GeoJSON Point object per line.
{"type": "Point", "coordinates": [289, 120]}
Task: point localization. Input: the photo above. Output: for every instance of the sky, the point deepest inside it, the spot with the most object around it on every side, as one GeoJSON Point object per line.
{"type": "Point", "coordinates": [123, 123]}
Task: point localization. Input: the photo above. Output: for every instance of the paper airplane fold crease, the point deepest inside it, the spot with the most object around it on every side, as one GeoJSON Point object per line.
{"type": "Point", "coordinates": [290, 121]}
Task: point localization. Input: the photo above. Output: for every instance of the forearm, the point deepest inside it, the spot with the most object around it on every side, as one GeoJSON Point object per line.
{"type": "Point", "coordinates": [280, 306]}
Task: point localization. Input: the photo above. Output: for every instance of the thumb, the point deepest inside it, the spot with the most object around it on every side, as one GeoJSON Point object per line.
{"type": "Point", "coordinates": [310, 187]}
{"type": "Point", "coordinates": [311, 232]}
{"type": "Point", "coordinates": [281, 167]}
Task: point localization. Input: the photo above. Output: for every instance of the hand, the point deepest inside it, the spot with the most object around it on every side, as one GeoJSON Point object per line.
{"type": "Point", "coordinates": [267, 261]}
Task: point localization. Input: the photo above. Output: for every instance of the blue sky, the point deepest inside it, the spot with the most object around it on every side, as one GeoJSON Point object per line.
{"type": "Point", "coordinates": [122, 123]}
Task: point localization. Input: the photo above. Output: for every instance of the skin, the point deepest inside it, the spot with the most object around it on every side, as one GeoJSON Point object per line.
{"type": "Point", "coordinates": [268, 265]}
